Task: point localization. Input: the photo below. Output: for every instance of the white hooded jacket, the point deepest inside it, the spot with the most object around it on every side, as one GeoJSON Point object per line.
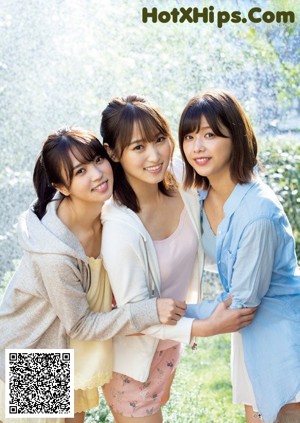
{"type": "Point", "coordinates": [130, 259]}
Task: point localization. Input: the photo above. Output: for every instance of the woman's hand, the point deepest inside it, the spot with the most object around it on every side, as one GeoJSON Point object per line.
{"type": "Point", "coordinates": [170, 311]}
{"type": "Point", "coordinates": [224, 320]}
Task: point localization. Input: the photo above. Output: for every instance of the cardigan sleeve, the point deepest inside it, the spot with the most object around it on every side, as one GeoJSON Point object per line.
{"type": "Point", "coordinates": [62, 282]}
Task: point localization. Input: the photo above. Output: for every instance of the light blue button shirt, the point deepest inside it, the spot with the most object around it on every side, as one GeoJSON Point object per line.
{"type": "Point", "coordinates": [257, 264]}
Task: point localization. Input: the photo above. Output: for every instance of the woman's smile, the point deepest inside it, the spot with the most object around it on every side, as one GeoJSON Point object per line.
{"type": "Point", "coordinates": [154, 169]}
{"type": "Point", "coordinates": [102, 187]}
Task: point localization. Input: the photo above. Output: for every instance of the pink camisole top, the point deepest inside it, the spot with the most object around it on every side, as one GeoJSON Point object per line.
{"type": "Point", "coordinates": [176, 257]}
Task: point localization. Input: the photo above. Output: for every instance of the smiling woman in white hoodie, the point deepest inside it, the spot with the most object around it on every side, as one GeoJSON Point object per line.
{"type": "Point", "coordinates": [60, 295]}
{"type": "Point", "coordinates": [151, 248]}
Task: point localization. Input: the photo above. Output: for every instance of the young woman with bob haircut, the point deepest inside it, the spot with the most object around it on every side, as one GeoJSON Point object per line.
{"type": "Point", "coordinates": [246, 233]}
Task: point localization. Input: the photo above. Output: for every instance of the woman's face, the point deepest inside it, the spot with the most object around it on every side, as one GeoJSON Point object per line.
{"type": "Point", "coordinates": [207, 153]}
{"type": "Point", "coordinates": [92, 181]}
{"type": "Point", "coordinates": [146, 161]}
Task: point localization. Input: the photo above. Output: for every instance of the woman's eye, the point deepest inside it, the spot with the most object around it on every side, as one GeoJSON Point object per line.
{"type": "Point", "coordinates": [188, 137]}
{"type": "Point", "coordinates": [161, 139]}
{"type": "Point", "coordinates": [99, 159]}
{"type": "Point", "coordinates": [80, 171]}
{"type": "Point", "coordinates": [138, 147]}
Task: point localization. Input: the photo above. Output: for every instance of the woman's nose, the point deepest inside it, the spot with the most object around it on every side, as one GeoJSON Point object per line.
{"type": "Point", "coordinates": [153, 152]}
{"type": "Point", "coordinates": [198, 143]}
{"type": "Point", "coordinates": [96, 171]}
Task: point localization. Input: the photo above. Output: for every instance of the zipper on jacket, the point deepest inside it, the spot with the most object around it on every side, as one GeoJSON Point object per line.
{"type": "Point", "coordinates": [152, 284]}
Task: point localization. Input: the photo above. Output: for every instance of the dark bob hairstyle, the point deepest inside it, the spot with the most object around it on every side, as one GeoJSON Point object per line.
{"type": "Point", "coordinates": [220, 108]}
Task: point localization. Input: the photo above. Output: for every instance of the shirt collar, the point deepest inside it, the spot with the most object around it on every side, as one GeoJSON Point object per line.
{"type": "Point", "coordinates": [236, 197]}
{"type": "Point", "coordinates": [232, 203]}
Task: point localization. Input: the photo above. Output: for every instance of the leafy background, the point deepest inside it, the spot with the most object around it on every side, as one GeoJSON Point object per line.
{"type": "Point", "coordinates": [62, 60]}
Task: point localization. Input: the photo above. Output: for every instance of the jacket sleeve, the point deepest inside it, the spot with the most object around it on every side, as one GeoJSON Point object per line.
{"type": "Point", "coordinates": [62, 282]}
{"type": "Point", "coordinates": [181, 332]}
{"type": "Point", "coordinates": [125, 260]}
{"type": "Point", "coordinates": [251, 269]}
{"type": "Point", "coordinates": [202, 310]}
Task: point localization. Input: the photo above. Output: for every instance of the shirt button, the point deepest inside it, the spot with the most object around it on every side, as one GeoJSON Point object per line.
{"type": "Point", "coordinates": [219, 232]}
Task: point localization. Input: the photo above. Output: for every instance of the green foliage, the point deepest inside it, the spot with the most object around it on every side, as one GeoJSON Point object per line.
{"type": "Point", "coordinates": [100, 414]}
{"type": "Point", "coordinates": [281, 161]}
{"type": "Point", "coordinates": [202, 390]}
{"type": "Point", "coordinates": [61, 64]}
{"type": "Point", "coordinates": [269, 42]}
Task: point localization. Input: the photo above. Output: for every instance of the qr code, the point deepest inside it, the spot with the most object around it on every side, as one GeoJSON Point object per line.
{"type": "Point", "coordinates": [39, 383]}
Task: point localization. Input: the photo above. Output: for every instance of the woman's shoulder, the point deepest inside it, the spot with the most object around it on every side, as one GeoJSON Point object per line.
{"type": "Point", "coordinates": [112, 211]}
{"type": "Point", "coordinates": [47, 241]}
{"type": "Point", "coordinates": [262, 198]}
{"type": "Point", "coordinates": [121, 223]}
{"type": "Point", "coordinates": [257, 201]}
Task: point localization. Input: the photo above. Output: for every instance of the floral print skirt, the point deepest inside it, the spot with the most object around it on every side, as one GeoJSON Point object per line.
{"type": "Point", "coordinates": [131, 398]}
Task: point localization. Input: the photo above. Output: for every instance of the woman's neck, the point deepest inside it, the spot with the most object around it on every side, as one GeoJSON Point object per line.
{"type": "Point", "coordinates": [84, 222]}
{"type": "Point", "coordinates": [219, 192]}
{"type": "Point", "coordinates": [148, 195]}
{"type": "Point", "coordinates": [222, 187]}
{"type": "Point", "coordinates": [75, 212]}
{"type": "Point", "coordinates": [151, 197]}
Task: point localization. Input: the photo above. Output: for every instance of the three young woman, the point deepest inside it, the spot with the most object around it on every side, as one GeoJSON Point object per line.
{"type": "Point", "coordinates": [150, 247]}
{"type": "Point", "coordinates": [247, 234]}
{"type": "Point", "coordinates": [60, 296]}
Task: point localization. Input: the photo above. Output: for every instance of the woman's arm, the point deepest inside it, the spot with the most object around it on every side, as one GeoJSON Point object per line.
{"type": "Point", "coordinates": [125, 265]}
{"type": "Point", "coordinates": [125, 260]}
{"type": "Point", "coordinates": [204, 309]}
{"type": "Point", "coordinates": [64, 290]}
{"type": "Point", "coordinates": [223, 320]}
{"type": "Point", "coordinates": [253, 267]}
{"type": "Point", "coordinates": [251, 271]}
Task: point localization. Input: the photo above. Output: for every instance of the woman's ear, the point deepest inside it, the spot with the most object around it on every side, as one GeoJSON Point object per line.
{"type": "Point", "coordinates": [110, 152]}
{"type": "Point", "coordinates": [62, 189]}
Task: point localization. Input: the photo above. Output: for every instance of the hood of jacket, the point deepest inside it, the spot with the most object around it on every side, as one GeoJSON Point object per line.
{"type": "Point", "coordinates": [48, 235]}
